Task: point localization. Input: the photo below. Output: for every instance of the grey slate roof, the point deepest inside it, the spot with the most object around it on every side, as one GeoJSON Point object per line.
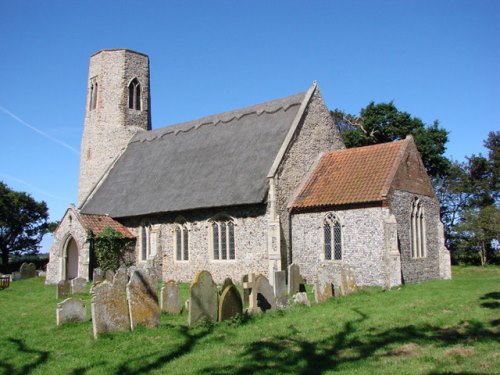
{"type": "Point", "coordinates": [216, 161]}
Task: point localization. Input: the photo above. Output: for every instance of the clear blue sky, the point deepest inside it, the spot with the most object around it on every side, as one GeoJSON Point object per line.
{"type": "Point", "coordinates": [434, 59]}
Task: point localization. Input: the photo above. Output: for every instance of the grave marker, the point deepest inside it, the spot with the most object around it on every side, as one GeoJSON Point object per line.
{"type": "Point", "coordinates": [27, 271]}
{"type": "Point", "coordinates": [203, 299]}
{"type": "Point", "coordinates": [169, 298]}
{"type": "Point", "coordinates": [143, 300]}
{"type": "Point", "coordinates": [262, 296]}
{"type": "Point", "coordinates": [109, 309]}
{"type": "Point", "coordinates": [78, 285]}
{"type": "Point", "coordinates": [71, 310]}
{"type": "Point", "coordinates": [63, 288]}
{"type": "Point", "coordinates": [230, 303]}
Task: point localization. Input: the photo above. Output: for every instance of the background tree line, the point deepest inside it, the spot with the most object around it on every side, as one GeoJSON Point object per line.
{"type": "Point", "coordinates": [468, 191]}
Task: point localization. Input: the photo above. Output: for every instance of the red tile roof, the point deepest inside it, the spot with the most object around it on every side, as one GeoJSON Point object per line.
{"type": "Point", "coordinates": [355, 175]}
{"type": "Point", "coordinates": [98, 222]}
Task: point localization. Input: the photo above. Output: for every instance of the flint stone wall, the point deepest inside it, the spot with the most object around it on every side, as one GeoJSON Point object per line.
{"type": "Point", "coordinates": [362, 244]}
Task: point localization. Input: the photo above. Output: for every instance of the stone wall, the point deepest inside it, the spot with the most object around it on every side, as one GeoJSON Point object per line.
{"type": "Point", "coordinates": [250, 234]}
{"type": "Point", "coordinates": [70, 227]}
{"type": "Point", "coordinates": [109, 127]}
{"type": "Point", "coordinates": [316, 134]}
{"type": "Point", "coordinates": [417, 269]}
{"type": "Point", "coordinates": [363, 244]}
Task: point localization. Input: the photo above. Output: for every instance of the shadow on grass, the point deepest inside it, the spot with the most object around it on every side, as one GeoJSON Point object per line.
{"type": "Point", "coordinates": [40, 358]}
{"type": "Point", "coordinates": [491, 304]}
{"type": "Point", "coordinates": [290, 354]}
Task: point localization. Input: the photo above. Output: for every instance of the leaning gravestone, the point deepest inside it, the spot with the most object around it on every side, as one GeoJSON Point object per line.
{"type": "Point", "coordinates": [295, 280]}
{"type": "Point", "coordinates": [109, 309]}
{"type": "Point", "coordinates": [203, 299]}
{"type": "Point", "coordinates": [143, 300]}
{"type": "Point", "coordinates": [230, 303]}
{"type": "Point", "coordinates": [71, 310]}
{"type": "Point", "coordinates": [323, 288]}
{"type": "Point", "coordinates": [262, 296]}
{"type": "Point", "coordinates": [279, 289]}
{"type": "Point", "coordinates": [78, 285]}
{"type": "Point", "coordinates": [63, 288]}
{"type": "Point", "coordinates": [97, 276]}
{"type": "Point", "coordinates": [27, 270]}
{"type": "Point", "coordinates": [169, 298]}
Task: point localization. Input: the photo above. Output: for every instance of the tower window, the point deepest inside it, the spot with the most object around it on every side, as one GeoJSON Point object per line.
{"type": "Point", "coordinates": [93, 96]}
{"type": "Point", "coordinates": [134, 94]}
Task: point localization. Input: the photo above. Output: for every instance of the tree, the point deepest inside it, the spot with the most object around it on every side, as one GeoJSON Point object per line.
{"type": "Point", "coordinates": [23, 223]}
{"type": "Point", "coordinates": [110, 248]}
{"type": "Point", "coordinates": [383, 122]}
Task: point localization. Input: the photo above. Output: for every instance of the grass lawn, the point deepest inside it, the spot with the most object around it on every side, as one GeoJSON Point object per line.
{"type": "Point", "coordinates": [438, 327]}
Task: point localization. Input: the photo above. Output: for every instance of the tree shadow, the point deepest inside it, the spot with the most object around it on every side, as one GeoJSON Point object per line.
{"type": "Point", "coordinates": [41, 358]}
{"type": "Point", "coordinates": [290, 353]}
{"type": "Point", "coordinates": [491, 304]}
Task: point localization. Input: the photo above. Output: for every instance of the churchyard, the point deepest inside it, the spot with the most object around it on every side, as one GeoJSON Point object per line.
{"type": "Point", "coordinates": [444, 326]}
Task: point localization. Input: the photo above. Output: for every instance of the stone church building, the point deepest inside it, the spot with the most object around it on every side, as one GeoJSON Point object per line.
{"type": "Point", "coordinates": [249, 190]}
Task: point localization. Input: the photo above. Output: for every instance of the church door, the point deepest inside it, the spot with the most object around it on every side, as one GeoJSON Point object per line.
{"type": "Point", "coordinates": [71, 260]}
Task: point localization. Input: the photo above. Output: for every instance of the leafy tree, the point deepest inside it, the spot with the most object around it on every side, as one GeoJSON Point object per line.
{"type": "Point", "coordinates": [23, 223]}
{"type": "Point", "coordinates": [383, 122]}
{"type": "Point", "coordinates": [110, 248]}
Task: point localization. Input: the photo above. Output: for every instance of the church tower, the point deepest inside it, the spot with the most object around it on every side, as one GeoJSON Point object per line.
{"type": "Point", "coordinates": [118, 106]}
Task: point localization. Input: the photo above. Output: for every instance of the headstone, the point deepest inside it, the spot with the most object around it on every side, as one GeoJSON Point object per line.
{"type": "Point", "coordinates": [41, 274]}
{"type": "Point", "coordinates": [110, 275]}
{"type": "Point", "coordinates": [226, 283]}
{"type": "Point", "coordinates": [78, 285]}
{"type": "Point", "coordinates": [295, 280]}
{"type": "Point", "coordinates": [63, 288]}
{"type": "Point", "coordinates": [346, 282]}
{"type": "Point", "coordinates": [142, 298]}
{"type": "Point", "coordinates": [16, 275]}
{"type": "Point", "coordinates": [247, 283]}
{"type": "Point", "coordinates": [230, 303]}
{"type": "Point", "coordinates": [203, 299]}
{"type": "Point", "coordinates": [97, 276]}
{"type": "Point", "coordinates": [109, 309]}
{"type": "Point", "coordinates": [27, 270]}
{"type": "Point", "coordinates": [301, 298]}
{"type": "Point", "coordinates": [120, 279]}
{"type": "Point", "coordinates": [279, 289]}
{"type": "Point", "coordinates": [169, 298]}
{"type": "Point", "coordinates": [71, 310]}
{"type": "Point", "coordinates": [262, 296]}
{"type": "Point", "coordinates": [323, 288]}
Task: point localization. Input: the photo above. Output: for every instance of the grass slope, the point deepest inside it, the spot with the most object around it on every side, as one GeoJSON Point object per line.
{"type": "Point", "coordinates": [438, 327]}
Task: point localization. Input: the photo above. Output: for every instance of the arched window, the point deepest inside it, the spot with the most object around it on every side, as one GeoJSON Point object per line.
{"type": "Point", "coordinates": [93, 95]}
{"type": "Point", "coordinates": [181, 242]}
{"type": "Point", "coordinates": [134, 95]}
{"type": "Point", "coordinates": [417, 230]}
{"type": "Point", "coordinates": [332, 238]}
{"type": "Point", "coordinates": [222, 235]}
{"type": "Point", "coordinates": [148, 242]}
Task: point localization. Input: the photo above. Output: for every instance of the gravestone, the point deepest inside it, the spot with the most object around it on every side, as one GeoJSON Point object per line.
{"type": "Point", "coordinates": [78, 285]}
{"type": "Point", "coordinates": [97, 276]}
{"type": "Point", "coordinates": [203, 299]}
{"type": "Point", "coordinates": [169, 298]}
{"type": "Point", "coordinates": [109, 309]}
{"type": "Point", "coordinates": [296, 282]}
{"type": "Point", "coordinates": [230, 303]}
{"type": "Point", "coordinates": [346, 282]}
{"type": "Point", "coordinates": [27, 271]}
{"type": "Point", "coordinates": [247, 283]}
{"type": "Point", "coordinates": [41, 273]}
{"type": "Point", "coordinates": [301, 298]}
{"type": "Point", "coordinates": [120, 279]}
{"type": "Point", "coordinates": [71, 310]}
{"type": "Point", "coordinates": [226, 283]}
{"type": "Point", "coordinates": [262, 296]}
{"type": "Point", "coordinates": [323, 288]}
{"type": "Point", "coordinates": [279, 289]}
{"type": "Point", "coordinates": [16, 276]}
{"type": "Point", "coordinates": [142, 298]}
{"type": "Point", "coordinates": [63, 288]}
{"type": "Point", "coordinates": [109, 275]}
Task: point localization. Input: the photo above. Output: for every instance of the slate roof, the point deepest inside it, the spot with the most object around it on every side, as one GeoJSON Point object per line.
{"type": "Point", "coordinates": [98, 222]}
{"type": "Point", "coordinates": [216, 161]}
{"type": "Point", "coordinates": [351, 176]}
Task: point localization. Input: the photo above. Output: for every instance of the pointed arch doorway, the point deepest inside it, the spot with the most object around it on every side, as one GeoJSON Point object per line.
{"type": "Point", "coordinates": [71, 263]}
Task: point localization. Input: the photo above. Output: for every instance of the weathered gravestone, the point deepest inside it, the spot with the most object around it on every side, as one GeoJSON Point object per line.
{"type": "Point", "coordinates": [169, 298]}
{"type": "Point", "coordinates": [97, 276]}
{"type": "Point", "coordinates": [323, 288]}
{"type": "Point", "coordinates": [301, 298]}
{"type": "Point", "coordinates": [27, 270]}
{"type": "Point", "coordinates": [71, 310]}
{"type": "Point", "coordinates": [345, 281]}
{"type": "Point", "coordinates": [120, 279]}
{"type": "Point", "coordinates": [295, 280]}
{"type": "Point", "coordinates": [203, 299]}
{"type": "Point", "coordinates": [16, 276]}
{"type": "Point", "coordinates": [142, 298]}
{"type": "Point", "coordinates": [262, 296]}
{"type": "Point", "coordinates": [279, 289]}
{"type": "Point", "coordinates": [230, 303]}
{"type": "Point", "coordinates": [78, 285]}
{"type": "Point", "coordinates": [63, 288]}
{"type": "Point", "coordinates": [109, 309]}
{"type": "Point", "coordinates": [109, 275]}
{"type": "Point", "coordinates": [247, 283]}
{"type": "Point", "coordinates": [226, 283]}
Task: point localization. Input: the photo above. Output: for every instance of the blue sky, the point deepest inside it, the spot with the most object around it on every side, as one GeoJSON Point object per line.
{"type": "Point", "coordinates": [435, 59]}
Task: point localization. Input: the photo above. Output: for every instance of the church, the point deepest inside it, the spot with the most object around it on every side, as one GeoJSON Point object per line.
{"type": "Point", "coordinates": [250, 190]}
